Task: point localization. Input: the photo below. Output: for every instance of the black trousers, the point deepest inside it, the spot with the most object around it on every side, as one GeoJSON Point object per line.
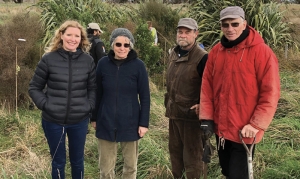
{"type": "Point", "coordinates": [233, 159]}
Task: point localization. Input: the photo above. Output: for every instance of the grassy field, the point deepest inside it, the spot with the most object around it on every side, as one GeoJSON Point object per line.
{"type": "Point", "coordinates": [24, 153]}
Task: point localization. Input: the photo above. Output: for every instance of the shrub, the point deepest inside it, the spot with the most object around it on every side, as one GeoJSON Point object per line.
{"type": "Point", "coordinates": [54, 12]}
{"type": "Point", "coordinates": [149, 53]}
{"type": "Point", "coordinates": [13, 50]}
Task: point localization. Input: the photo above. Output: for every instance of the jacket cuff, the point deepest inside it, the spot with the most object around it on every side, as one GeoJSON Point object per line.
{"type": "Point", "coordinates": [256, 127]}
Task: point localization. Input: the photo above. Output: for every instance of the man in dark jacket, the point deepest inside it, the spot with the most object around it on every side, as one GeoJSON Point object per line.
{"type": "Point", "coordinates": [186, 64]}
{"type": "Point", "coordinates": [97, 50]}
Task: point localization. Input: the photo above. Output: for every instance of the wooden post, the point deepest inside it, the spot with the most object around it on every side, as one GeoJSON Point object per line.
{"type": "Point", "coordinates": [17, 115]}
{"type": "Point", "coordinates": [286, 51]}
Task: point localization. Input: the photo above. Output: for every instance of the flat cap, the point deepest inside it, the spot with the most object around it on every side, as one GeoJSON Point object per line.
{"type": "Point", "coordinates": [232, 12]}
{"type": "Point", "coordinates": [188, 23]}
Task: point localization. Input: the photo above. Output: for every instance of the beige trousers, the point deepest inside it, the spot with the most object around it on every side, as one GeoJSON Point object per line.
{"type": "Point", "coordinates": [108, 156]}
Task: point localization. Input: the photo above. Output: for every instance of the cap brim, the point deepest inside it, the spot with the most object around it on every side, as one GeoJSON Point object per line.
{"type": "Point", "coordinates": [230, 17]}
{"type": "Point", "coordinates": [187, 26]}
{"type": "Point", "coordinates": [100, 30]}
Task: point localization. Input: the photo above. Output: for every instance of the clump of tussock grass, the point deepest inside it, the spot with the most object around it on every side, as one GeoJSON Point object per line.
{"type": "Point", "coordinates": [29, 161]}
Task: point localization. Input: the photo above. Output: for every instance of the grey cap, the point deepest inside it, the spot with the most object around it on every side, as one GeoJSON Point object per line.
{"type": "Point", "coordinates": [94, 26]}
{"type": "Point", "coordinates": [232, 12]}
{"type": "Point", "coordinates": [121, 32]}
{"type": "Point", "coordinates": [188, 23]}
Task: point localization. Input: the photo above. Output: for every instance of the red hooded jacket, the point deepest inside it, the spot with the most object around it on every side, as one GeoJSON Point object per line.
{"type": "Point", "coordinates": [240, 86]}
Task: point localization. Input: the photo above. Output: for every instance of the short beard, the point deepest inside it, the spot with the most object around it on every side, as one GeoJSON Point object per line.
{"type": "Point", "coordinates": [182, 43]}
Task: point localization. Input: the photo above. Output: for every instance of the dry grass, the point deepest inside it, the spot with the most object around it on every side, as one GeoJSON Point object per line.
{"type": "Point", "coordinates": [22, 153]}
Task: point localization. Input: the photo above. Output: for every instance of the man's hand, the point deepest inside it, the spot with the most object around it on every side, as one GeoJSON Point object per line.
{"type": "Point", "coordinates": [249, 131]}
{"type": "Point", "coordinates": [196, 107]}
{"type": "Point", "coordinates": [207, 126]}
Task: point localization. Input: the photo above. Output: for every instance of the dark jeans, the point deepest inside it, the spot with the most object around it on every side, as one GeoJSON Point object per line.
{"type": "Point", "coordinates": [233, 160]}
{"type": "Point", "coordinates": [56, 137]}
{"type": "Point", "coordinates": [186, 149]}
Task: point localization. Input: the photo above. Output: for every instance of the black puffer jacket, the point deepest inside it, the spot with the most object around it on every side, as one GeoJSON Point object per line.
{"type": "Point", "coordinates": [71, 88]}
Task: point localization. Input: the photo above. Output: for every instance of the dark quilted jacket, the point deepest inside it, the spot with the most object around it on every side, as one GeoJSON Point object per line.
{"type": "Point", "coordinates": [70, 81]}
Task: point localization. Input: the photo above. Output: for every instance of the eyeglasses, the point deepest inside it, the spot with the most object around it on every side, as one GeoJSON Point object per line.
{"type": "Point", "coordinates": [120, 45]}
{"type": "Point", "coordinates": [226, 25]}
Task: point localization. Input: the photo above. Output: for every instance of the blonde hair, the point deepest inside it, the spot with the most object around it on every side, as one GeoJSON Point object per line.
{"type": "Point", "coordinates": [57, 43]}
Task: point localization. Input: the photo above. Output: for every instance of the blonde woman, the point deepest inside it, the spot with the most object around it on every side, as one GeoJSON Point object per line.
{"type": "Point", "coordinates": [69, 74]}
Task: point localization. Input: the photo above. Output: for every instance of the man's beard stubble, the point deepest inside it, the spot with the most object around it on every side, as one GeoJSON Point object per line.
{"type": "Point", "coordinates": [182, 42]}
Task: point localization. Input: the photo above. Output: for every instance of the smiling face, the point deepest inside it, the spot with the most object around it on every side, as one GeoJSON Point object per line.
{"type": "Point", "coordinates": [71, 38]}
{"type": "Point", "coordinates": [121, 47]}
{"type": "Point", "coordinates": [233, 28]}
{"type": "Point", "coordinates": [186, 37]}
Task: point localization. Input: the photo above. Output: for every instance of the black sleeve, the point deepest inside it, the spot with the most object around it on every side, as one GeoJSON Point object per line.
{"type": "Point", "coordinates": [201, 65]}
{"type": "Point", "coordinates": [99, 51]}
{"type": "Point", "coordinates": [99, 94]}
{"type": "Point", "coordinates": [38, 83]}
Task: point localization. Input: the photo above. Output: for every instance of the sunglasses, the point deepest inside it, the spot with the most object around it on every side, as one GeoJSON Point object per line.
{"type": "Point", "coordinates": [226, 25]}
{"type": "Point", "coordinates": [120, 45]}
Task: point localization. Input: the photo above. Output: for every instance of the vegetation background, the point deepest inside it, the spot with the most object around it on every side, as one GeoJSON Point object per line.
{"type": "Point", "coordinates": [24, 151]}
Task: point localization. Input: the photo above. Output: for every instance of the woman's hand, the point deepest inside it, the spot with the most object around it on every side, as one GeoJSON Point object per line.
{"type": "Point", "coordinates": [142, 131]}
{"type": "Point", "coordinates": [93, 123]}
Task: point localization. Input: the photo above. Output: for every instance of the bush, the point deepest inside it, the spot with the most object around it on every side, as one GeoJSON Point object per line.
{"type": "Point", "coordinates": [55, 12]}
{"type": "Point", "coordinates": [164, 19]}
{"type": "Point", "coordinates": [23, 25]}
{"type": "Point", "coordinates": [149, 53]}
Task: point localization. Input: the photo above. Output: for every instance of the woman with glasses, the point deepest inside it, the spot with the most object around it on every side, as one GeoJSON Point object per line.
{"type": "Point", "coordinates": [122, 108]}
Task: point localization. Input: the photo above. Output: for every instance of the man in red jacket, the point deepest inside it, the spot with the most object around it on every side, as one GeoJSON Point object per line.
{"type": "Point", "coordinates": [240, 91]}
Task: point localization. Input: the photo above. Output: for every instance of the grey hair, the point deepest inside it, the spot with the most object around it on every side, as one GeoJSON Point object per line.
{"type": "Point", "coordinates": [114, 41]}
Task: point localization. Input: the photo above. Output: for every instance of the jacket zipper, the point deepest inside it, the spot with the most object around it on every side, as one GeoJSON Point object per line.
{"type": "Point", "coordinates": [69, 90]}
{"type": "Point", "coordinates": [115, 130]}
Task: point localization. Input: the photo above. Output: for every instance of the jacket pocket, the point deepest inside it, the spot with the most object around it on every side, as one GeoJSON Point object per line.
{"type": "Point", "coordinates": [182, 107]}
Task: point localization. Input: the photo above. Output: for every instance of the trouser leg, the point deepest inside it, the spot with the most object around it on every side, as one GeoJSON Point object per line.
{"type": "Point", "coordinates": [175, 150]}
{"type": "Point", "coordinates": [233, 160]}
{"type": "Point", "coordinates": [77, 136]}
{"type": "Point", "coordinates": [130, 155]}
{"type": "Point", "coordinates": [107, 158]}
{"type": "Point", "coordinates": [186, 148]}
{"type": "Point", "coordinates": [192, 150]}
{"type": "Point", "coordinates": [56, 137]}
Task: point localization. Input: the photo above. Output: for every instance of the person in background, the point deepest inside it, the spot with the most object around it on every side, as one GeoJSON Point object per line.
{"type": "Point", "coordinates": [97, 50]}
{"type": "Point", "coordinates": [122, 108]}
{"type": "Point", "coordinates": [153, 32]}
{"type": "Point", "coordinates": [240, 91]}
{"type": "Point", "coordinates": [184, 75]}
{"type": "Point", "coordinates": [68, 71]}
{"type": "Point", "coordinates": [201, 45]}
